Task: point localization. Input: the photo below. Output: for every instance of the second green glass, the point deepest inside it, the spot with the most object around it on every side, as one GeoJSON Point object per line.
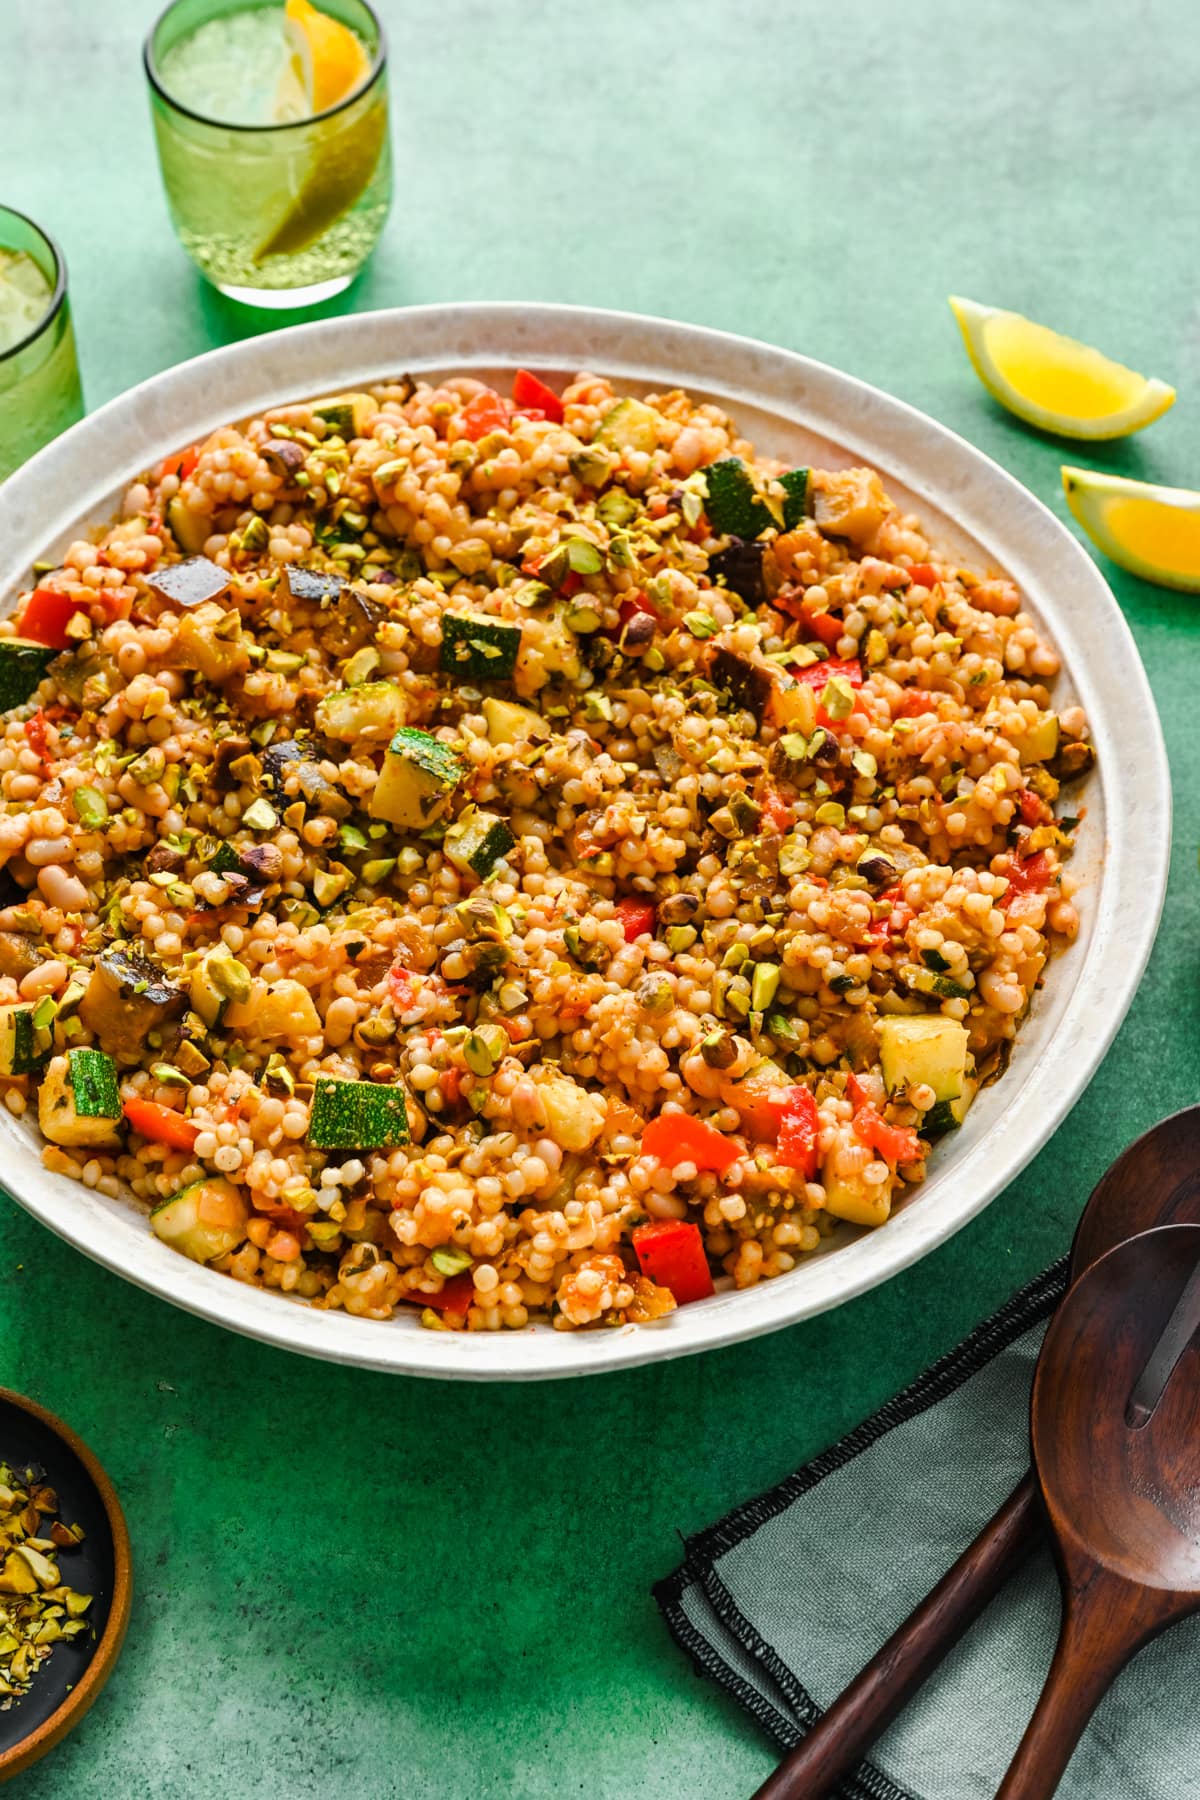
{"type": "Point", "coordinates": [274, 212]}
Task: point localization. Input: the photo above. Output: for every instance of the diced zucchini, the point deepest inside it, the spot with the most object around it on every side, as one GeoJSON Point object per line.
{"type": "Point", "coordinates": [78, 1102]}
{"type": "Point", "coordinates": [945, 1115]}
{"type": "Point", "coordinates": [22, 666]}
{"type": "Point", "coordinates": [92, 1079]}
{"type": "Point", "coordinates": [629, 425]}
{"type": "Point", "coordinates": [476, 842]}
{"type": "Point", "coordinates": [356, 1115]}
{"type": "Point", "coordinates": [734, 503]}
{"type": "Point", "coordinates": [479, 647]}
{"type": "Point", "coordinates": [191, 530]}
{"type": "Point", "coordinates": [847, 1197]}
{"type": "Point", "coordinates": [795, 504]}
{"type": "Point", "coordinates": [928, 981]}
{"type": "Point", "coordinates": [204, 1221]}
{"type": "Point", "coordinates": [747, 683]}
{"type": "Point", "coordinates": [928, 1051]}
{"type": "Point", "coordinates": [23, 1046]}
{"type": "Point", "coordinates": [1040, 744]}
{"type": "Point", "coordinates": [508, 723]}
{"type": "Point", "coordinates": [210, 641]}
{"type": "Point", "coordinates": [420, 773]}
{"type": "Point", "coordinates": [374, 712]}
{"type": "Point", "coordinates": [348, 414]}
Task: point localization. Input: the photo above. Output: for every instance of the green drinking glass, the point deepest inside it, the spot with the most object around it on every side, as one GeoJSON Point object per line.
{"type": "Point", "coordinates": [40, 392]}
{"type": "Point", "coordinates": [278, 197]}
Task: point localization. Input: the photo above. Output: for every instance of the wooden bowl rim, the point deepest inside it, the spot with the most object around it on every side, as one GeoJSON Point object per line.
{"type": "Point", "coordinates": [31, 1749]}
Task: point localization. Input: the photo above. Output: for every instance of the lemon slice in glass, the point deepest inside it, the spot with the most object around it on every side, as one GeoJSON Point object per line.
{"type": "Point", "coordinates": [1055, 382]}
{"type": "Point", "coordinates": [1152, 531]}
{"type": "Point", "coordinates": [328, 62]}
{"type": "Point", "coordinates": [25, 294]}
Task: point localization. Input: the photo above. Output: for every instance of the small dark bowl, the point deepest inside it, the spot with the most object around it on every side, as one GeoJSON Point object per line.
{"type": "Point", "coordinates": [72, 1677]}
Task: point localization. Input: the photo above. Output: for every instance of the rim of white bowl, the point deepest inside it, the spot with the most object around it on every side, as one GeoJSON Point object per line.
{"type": "Point", "coordinates": [1087, 993]}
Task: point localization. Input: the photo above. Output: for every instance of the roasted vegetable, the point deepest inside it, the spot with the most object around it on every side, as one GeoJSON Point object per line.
{"type": "Point", "coordinates": [204, 1221]}
{"type": "Point", "coordinates": [420, 773]}
{"type": "Point", "coordinates": [747, 683]}
{"type": "Point", "coordinates": [371, 713]}
{"type": "Point", "coordinates": [128, 997]}
{"type": "Point", "coordinates": [191, 582]}
{"type": "Point", "coordinates": [477, 840]}
{"type": "Point", "coordinates": [23, 663]}
{"type": "Point", "coordinates": [478, 647]}
{"type": "Point", "coordinates": [78, 1101]}
{"type": "Point", "coordinates": [739, 567]}
{"type": "Point", "coordinates": [356, 1115]}
{"type": "Point", "coordinates": [24, 1046]}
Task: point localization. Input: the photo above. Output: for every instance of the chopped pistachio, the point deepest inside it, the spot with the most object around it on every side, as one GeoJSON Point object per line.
{"type": "Point", "coordinates": [764, 985]}
{"type": "Point", "coordinates": [831, 814]}
{"type": "Point", "coordinates": [701, 624]}
{"type": "Point", "coordinates": [583, 557]}
{"type": "Point", "coordinates": [837, 697]}
{"type": "Point", "coordinates": [167, 1075]}
{"type": "Point", "coordinates": [450, 1260]}
{"type": "Point", "coordinates": [352, 839]}
{"type": "Point", "coordinates": [376, 873]}
{"type": "Point", "coordinates": [91, 808]}
{"type": "Point", "coordinates": [597, 708]}
{"type": "Point", "coordinates": [260, 815]}
{"type": "Point", "coordinates": [680, 937]}
{"type": "Point", "coordinates": [361, 666]}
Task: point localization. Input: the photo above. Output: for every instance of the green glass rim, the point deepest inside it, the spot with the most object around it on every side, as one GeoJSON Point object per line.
{"type": "Point", "coordinates": [164, 93]}
{"type": "Point", "coordinates": [57, 298]}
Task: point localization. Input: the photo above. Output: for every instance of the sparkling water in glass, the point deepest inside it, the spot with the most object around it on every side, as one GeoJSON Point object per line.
{"type": "Point", "coordinates": [40, 392]}
{"type": "Point", "coordinates": [276, 205]}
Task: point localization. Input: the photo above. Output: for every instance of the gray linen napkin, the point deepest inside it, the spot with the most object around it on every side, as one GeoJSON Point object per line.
{"type": "Point", "coordinates": [785, 1599]}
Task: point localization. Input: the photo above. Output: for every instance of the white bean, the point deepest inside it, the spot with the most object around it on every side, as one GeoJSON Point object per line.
{"type": "Point", "coordinates": [42, 851]}
{"type": "Point", "coordinates": [45, 980]}
{"type": "Point", "coordinates": [62, 889]}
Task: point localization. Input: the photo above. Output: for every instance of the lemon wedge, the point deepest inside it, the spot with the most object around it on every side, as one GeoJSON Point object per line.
{"type": "Point", "coordinates": [328, 63]}
{"type": "Point", "coordinates": [1055, 382]}
{"type": "Point", "coordinates": [1152, 531]}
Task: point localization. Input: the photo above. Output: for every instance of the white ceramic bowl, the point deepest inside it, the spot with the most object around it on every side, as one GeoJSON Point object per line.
{"type": "Point", "coordinates": [788, 406]}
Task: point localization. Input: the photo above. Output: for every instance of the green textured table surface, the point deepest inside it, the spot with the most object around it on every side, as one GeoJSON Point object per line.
{"type": "Point", "coordinates": [348, 1584]}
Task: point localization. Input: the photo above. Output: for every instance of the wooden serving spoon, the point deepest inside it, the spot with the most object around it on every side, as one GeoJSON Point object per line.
{"type": "Point", "coordinates": [1123, 1500]}
{"type": "Point", "coordinates": [1156, 1181]}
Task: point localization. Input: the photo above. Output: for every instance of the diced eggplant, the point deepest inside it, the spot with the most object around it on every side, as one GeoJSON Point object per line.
{"type": "Point", "coordinates": [190, 582]}
{"type": "Point", "coordinates": [290, 772]}
{"type": "Point", "coordinates": [508, 723]}
{"type": "Point", "coordinates": [354, 622]}
{"type": "Point", "coordinates": [190, 529]}
{"type": "Point", "coordinates": [210, 641]}
{"type": "Point", "coordinates": [740, 567]}
{"type": "Point", "coordinates": [278, 758]}
{"type": "Point", "coordinates": [18, 953]}
{"type": "Point", "coordinates": [312, 587]}
{"type": "Point", "coordinates": [127, 998]}
{"type": "Point", "coordinates": [747, 683]}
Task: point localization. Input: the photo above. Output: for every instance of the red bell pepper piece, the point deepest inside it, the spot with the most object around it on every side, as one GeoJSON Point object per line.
{"type": "Point", "coordinates": [825, 626]}
{"type": "Point", "coordinates": [45, 616]}
{"type": "Point", "coordinates": [401, 987]}
{"type": "Point", "coordinates": [817, 674]}
{"type": "Point", "coordinates": [924, 574]}
{"type": "Point", "coordinates": [528, 392]}
{"type": "Point", "coordinates": [180, 462]}
{"type": "Point", "coordinates": [485, 412]}
{"type": "Point", "coordinates": [670, 1252]}
{"type": "Point", "coordinates": [35, 733]}
{"type": "Point", "coordinates": [161, 1124]}
{"type": "Point", "coordinates": [797, 1146]}
{"type": "Point", "coordinates": [895, 1143]}
{"type": "Point", "coordinates": [450, 1082]}
{"type": "Point", "coordinates": [455, 1295]}
{"type": "Point", "coordinates": [679, 1138]}
{"type": "Point", "coordinates": [1029, 877]}
{"type": "Point", "coordinates": [637, 917]}
{"type": "Point", "coordinates": [1033, 808]}
{"type": "Point", "coordinates": [894, 923]}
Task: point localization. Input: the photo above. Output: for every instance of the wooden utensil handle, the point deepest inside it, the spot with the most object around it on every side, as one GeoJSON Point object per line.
{"type": "Point", "coordinates": [1105, 1622]}
{"type": "Point", "coordinates": [839, 1741]}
